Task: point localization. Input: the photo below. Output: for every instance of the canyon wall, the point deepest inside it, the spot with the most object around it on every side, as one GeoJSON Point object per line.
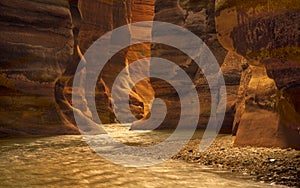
{"type": "Point", "coordinates": [197, 17]}
{"type": "Point", "coordinates": [256, 44]}
{"type": "Point", "coordinates": [36, 45]}
{"type": "Point", "coordinates": [267, 34]}
{"type": "Point", "coordinates": [86, 24]}
{"type": "Point", "coordinates": [95, 24]}
{"type": "Point", "coordinates": [41, 45]}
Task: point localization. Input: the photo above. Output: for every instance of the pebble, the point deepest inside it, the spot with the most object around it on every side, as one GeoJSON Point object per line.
{"type": "Point", "coordinates": [272, 160]}
{"type": "Point", "coordinates": [275, 166]}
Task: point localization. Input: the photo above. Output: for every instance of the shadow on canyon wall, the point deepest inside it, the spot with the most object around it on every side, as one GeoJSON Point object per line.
{"type": "Point", "coordinates": [256, 44]}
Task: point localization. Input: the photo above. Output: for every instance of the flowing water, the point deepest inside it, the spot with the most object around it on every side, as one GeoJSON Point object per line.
{"type": "Point", "coordinates": [67, 161]}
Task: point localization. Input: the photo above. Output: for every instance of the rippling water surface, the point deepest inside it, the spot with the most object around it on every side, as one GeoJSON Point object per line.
{"type": "Point", "coordinates": [67, 161]}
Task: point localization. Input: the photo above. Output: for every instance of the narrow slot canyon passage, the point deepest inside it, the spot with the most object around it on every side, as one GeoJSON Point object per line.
{"type": "Point", "coordinates": [66, 123]}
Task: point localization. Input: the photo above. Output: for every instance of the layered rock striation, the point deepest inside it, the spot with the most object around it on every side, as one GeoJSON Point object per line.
{"type": "Point", "coordinates": [197, 17]}
{"type": "Point", "coordinates": [266, 33]}
{"type": "Point", "coordinates": [256, 44]}
{"type": "Point", "coordinates": [35, 48]}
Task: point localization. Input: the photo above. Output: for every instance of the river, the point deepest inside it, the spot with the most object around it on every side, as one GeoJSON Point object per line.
{"type": "Point", "coordinates": [67, 161]}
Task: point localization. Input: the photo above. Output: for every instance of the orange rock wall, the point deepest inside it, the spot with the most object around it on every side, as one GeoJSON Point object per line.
{"type": "Point", "coordinates": [266, 34]}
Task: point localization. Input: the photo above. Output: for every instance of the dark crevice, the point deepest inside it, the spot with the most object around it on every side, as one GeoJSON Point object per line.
{"type": "Point", "coordinates": [76, 24]}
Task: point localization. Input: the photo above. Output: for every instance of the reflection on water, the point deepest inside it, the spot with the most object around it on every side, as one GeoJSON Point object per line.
{"type": "Point", "coordinates": [67, 161]}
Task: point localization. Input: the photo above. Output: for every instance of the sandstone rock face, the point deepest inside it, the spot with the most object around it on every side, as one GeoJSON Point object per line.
{"type": "Point", "coordinates": [198, 17]}
{"type": "Point", "coordinates": [266, 33]}
{"type": "Point", "coordinates": [141, 11]}
{"type": "Point", "coordinates": [232, 68]}
{"type": "Point", "coordinates": [42, 43]}
{"type": "Point", "coordinates": [95, 24]}
{"type": "Point", "coordinates": [35, 48]}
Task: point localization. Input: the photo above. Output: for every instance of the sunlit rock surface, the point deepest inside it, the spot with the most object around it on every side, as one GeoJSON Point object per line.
{"type": "Point", "coordinates": [94, 24]}
{"type": "Point", "coordinates": [266, 33]}
{"type": "Point", "coordinates": [42, 43]}
{"type": "Point", "coordinates": [198, 17]}
{"type": "Point", "coordinates": [141, 11]}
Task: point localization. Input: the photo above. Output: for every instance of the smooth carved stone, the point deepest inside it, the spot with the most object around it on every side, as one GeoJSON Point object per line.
{"type": "Point", "coordinates": [232, 69]}
{"type": "Point", "coordinates": [95, 23]}
{"type": "Point", "coordinates": [36, 44]}
{"type": "Point", "coordinates": [256, 132]}
{"type": "Point", "coordinates": [266, 34]}
{"type": "Point", "coordinates": [36, 38]}
{"type": "Point", "coordinates": [199, 20]}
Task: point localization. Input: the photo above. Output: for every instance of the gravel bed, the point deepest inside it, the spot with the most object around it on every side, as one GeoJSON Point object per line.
{"type": "Point", "coordinates": [271, 165]}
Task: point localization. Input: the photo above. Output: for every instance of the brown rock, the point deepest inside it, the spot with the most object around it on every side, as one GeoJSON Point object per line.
{"type": "Point", "coordinates": [95, 23]}
{"type": "Point", "coordinates": [256, 132]}
{"type": "Point", "coordinates": [266, 34]}
{"type": "Point", "coordinates": [36, 46]}
{"type": "Point", "coordinates": [200, 20]}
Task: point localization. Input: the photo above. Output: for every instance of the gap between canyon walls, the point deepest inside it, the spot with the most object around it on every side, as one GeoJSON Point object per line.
{"type": "Point", "coordinates": [43, 41]}
{"type": "Point", "coordinates": [250, 83]}
{"type": "Point", "coordinates": [197, 16]}
{"type": "Point", "coordinates": [92, 19]}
